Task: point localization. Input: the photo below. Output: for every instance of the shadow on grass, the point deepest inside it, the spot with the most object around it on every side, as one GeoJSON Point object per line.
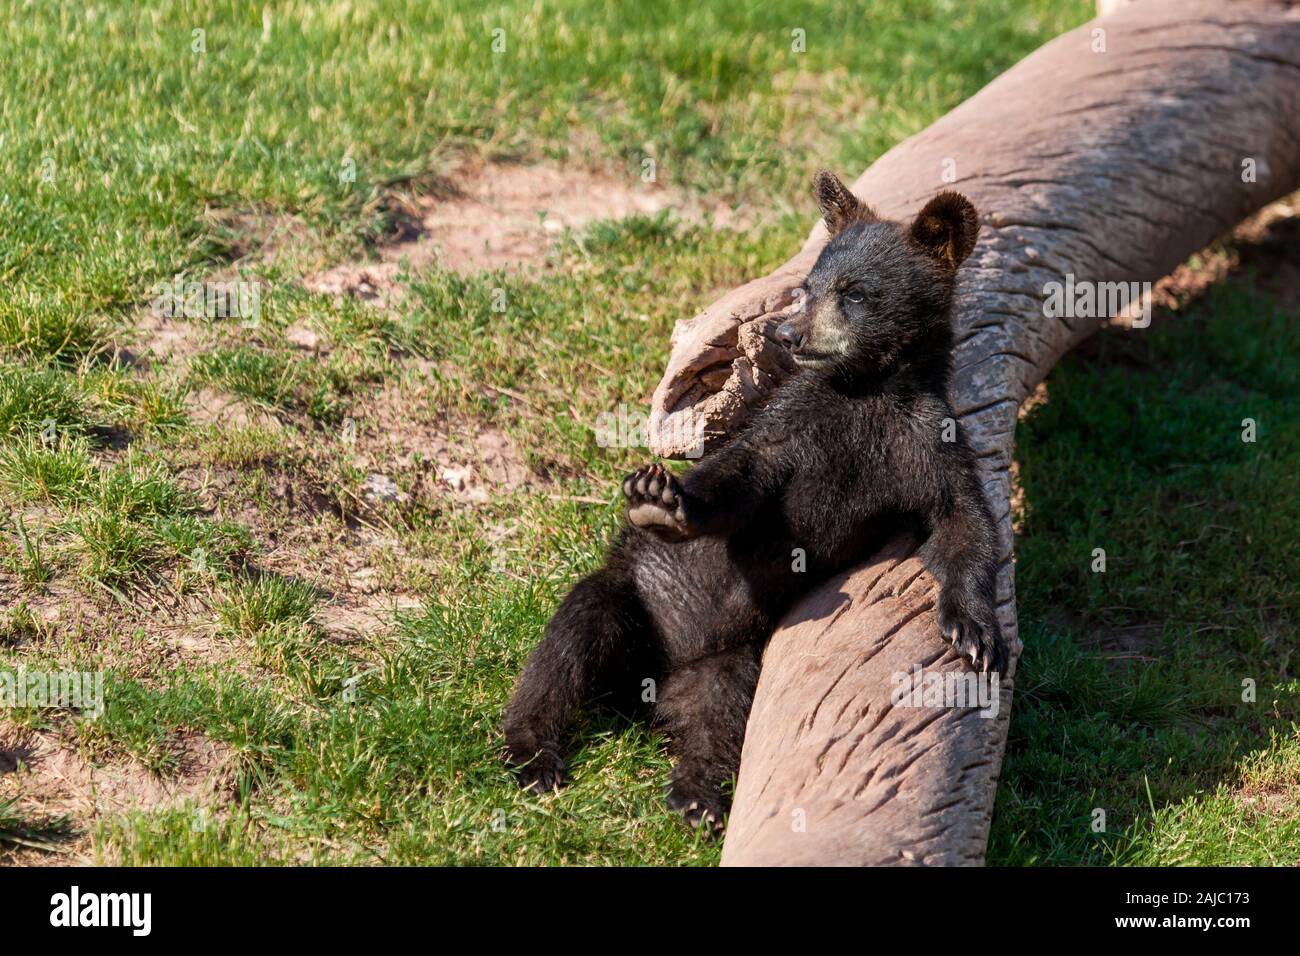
{"type": "Point", "coordinates": [1156, 570]}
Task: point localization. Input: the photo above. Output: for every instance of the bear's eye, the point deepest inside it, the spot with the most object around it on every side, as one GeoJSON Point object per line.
{"type": "Point", "coordinates": [855, 296]}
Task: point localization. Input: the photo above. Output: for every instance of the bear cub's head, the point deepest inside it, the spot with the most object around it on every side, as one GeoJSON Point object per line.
{"type": "Point", "coordinates": [880, 293]}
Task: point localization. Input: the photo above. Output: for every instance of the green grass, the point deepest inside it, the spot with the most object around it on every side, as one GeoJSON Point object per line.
{"type": "Point", "coordinates": [33, 400]}
{"type": "Point", "coordinates": [1130, 693]}
{"type": "Point", "coordinates": [264, 603]}
{"type": "Point", "coordinates": [133, 521]}
{"type": "Point", "coordinates": [118, 527]}
{"type": "Point", "coordinates": [60, 331]}
{"type": "Point", "coordinates": [55, 472]}
{"type": "Point", "coordinates": [138, 161]}
{"type": "Point", "coordinates": [270, 378]}
{"type": "Point", "coordinates": [127, 137]}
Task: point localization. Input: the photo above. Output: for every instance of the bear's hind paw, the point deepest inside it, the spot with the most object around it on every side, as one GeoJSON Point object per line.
{"type": "Point", "coordinates": [656, 502]}
{"type": "Point", "coordinates": [702, 811]}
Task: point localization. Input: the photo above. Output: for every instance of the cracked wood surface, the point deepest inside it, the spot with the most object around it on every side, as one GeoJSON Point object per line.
{"type": "Point", "coordinates": [1109, 166]}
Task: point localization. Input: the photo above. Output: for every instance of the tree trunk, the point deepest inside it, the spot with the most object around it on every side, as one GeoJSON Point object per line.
{"type": "Point", "coordinates": [1109, 155]}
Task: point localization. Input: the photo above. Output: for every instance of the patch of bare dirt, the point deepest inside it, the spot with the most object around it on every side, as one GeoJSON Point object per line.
{"type": "Point", "coordinates": [61, 780]}
{"type": "Point", "coordinates": [167, 340]}
{"type": "Point", "coordinates": [397, 432]}
{"type": "Point", "coordinates": [1269, 248]}
{"type": "Point", "coordinates": [271, 236]}
{"type": "Point", "coordinates": [484, 464]}
{"type": "Point", "coordinates": [1019, 509]}
{"type": "Point", "coordinates": [208, 406]}
{"type": "Point", "coordinates": [308, 527]}
{"type": "Point", "coordinates": [1036, 398]}
{"type": "Point", "coordinates": [312, 523]}
{"type": "Point", "coordinates": [49, 777]}
{"type": "Point", "coordinates": [151, 630]}
{"type": "Point", "coordinates": [1279, 802]}
{"type": "Point", "coordinates": [360, 616]}
{"type": "Point", "coordinates": [1019, 506]}
{"type": "Point", "coordinates": [504, 215]}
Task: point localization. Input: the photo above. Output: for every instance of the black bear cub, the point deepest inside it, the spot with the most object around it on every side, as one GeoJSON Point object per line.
{"type": "Point", "coordinates": [860, 440]}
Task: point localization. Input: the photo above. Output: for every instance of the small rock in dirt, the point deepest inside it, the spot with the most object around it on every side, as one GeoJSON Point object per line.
{"type": "Point", "coordinates": [302, 337]}
{"type": "Point", "coordinates": [455, 478]}
{"type": "Point", "coordinates": [365, 580]}
{"type": "Point", "coordinates": [382, 488]}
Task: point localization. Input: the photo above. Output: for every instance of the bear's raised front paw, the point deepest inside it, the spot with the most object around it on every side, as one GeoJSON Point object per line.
{"type": "Point", "coordinates": [656, 502]}
{"type": "Point", "coordinates": [982, 645]}
{"type": "Point", "coordinates": [703, 808]}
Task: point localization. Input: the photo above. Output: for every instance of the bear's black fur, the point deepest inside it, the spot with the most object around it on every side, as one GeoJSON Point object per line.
{"type": "Point", "coordinates": [847, 450]}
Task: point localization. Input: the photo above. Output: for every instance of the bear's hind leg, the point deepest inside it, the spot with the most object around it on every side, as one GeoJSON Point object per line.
{"type": "Point", "coordinates": [588, 647]}
{"type": "Point", "coordinates": [704, 705]}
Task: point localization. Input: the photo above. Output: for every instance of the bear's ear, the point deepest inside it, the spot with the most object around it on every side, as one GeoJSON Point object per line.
{"type": "Point", "coordinates": [946, 228]}
{"type": "Point", "coordinates": [839, 207]}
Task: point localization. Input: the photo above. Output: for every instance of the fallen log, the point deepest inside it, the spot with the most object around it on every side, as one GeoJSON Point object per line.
{"type": "Point", "coordinates": [1109, 155]}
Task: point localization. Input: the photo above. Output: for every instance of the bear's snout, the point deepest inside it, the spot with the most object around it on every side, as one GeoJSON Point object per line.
{"type": "Point", "coordinates": [792, 335]}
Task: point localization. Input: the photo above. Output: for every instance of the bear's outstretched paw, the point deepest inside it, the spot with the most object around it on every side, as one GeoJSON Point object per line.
{"type": "Point", "coordinates": [702, 808]}
{"type": "Point", "coordinates": [982, 645]}
{"type": "Point", "coordinates": [656, 502]}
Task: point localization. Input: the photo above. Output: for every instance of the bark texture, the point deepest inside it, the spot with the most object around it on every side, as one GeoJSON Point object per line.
{"type": "Point", "coordinates": [1108, 157]}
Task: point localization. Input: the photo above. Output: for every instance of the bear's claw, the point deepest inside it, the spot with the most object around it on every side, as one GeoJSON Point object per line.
{"type": "Point", "coordinates": [983, 646]}
{"type": "Point", "coordinates": [706, 813]}
{"type": "Point", "coordinates": [543, 773]}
